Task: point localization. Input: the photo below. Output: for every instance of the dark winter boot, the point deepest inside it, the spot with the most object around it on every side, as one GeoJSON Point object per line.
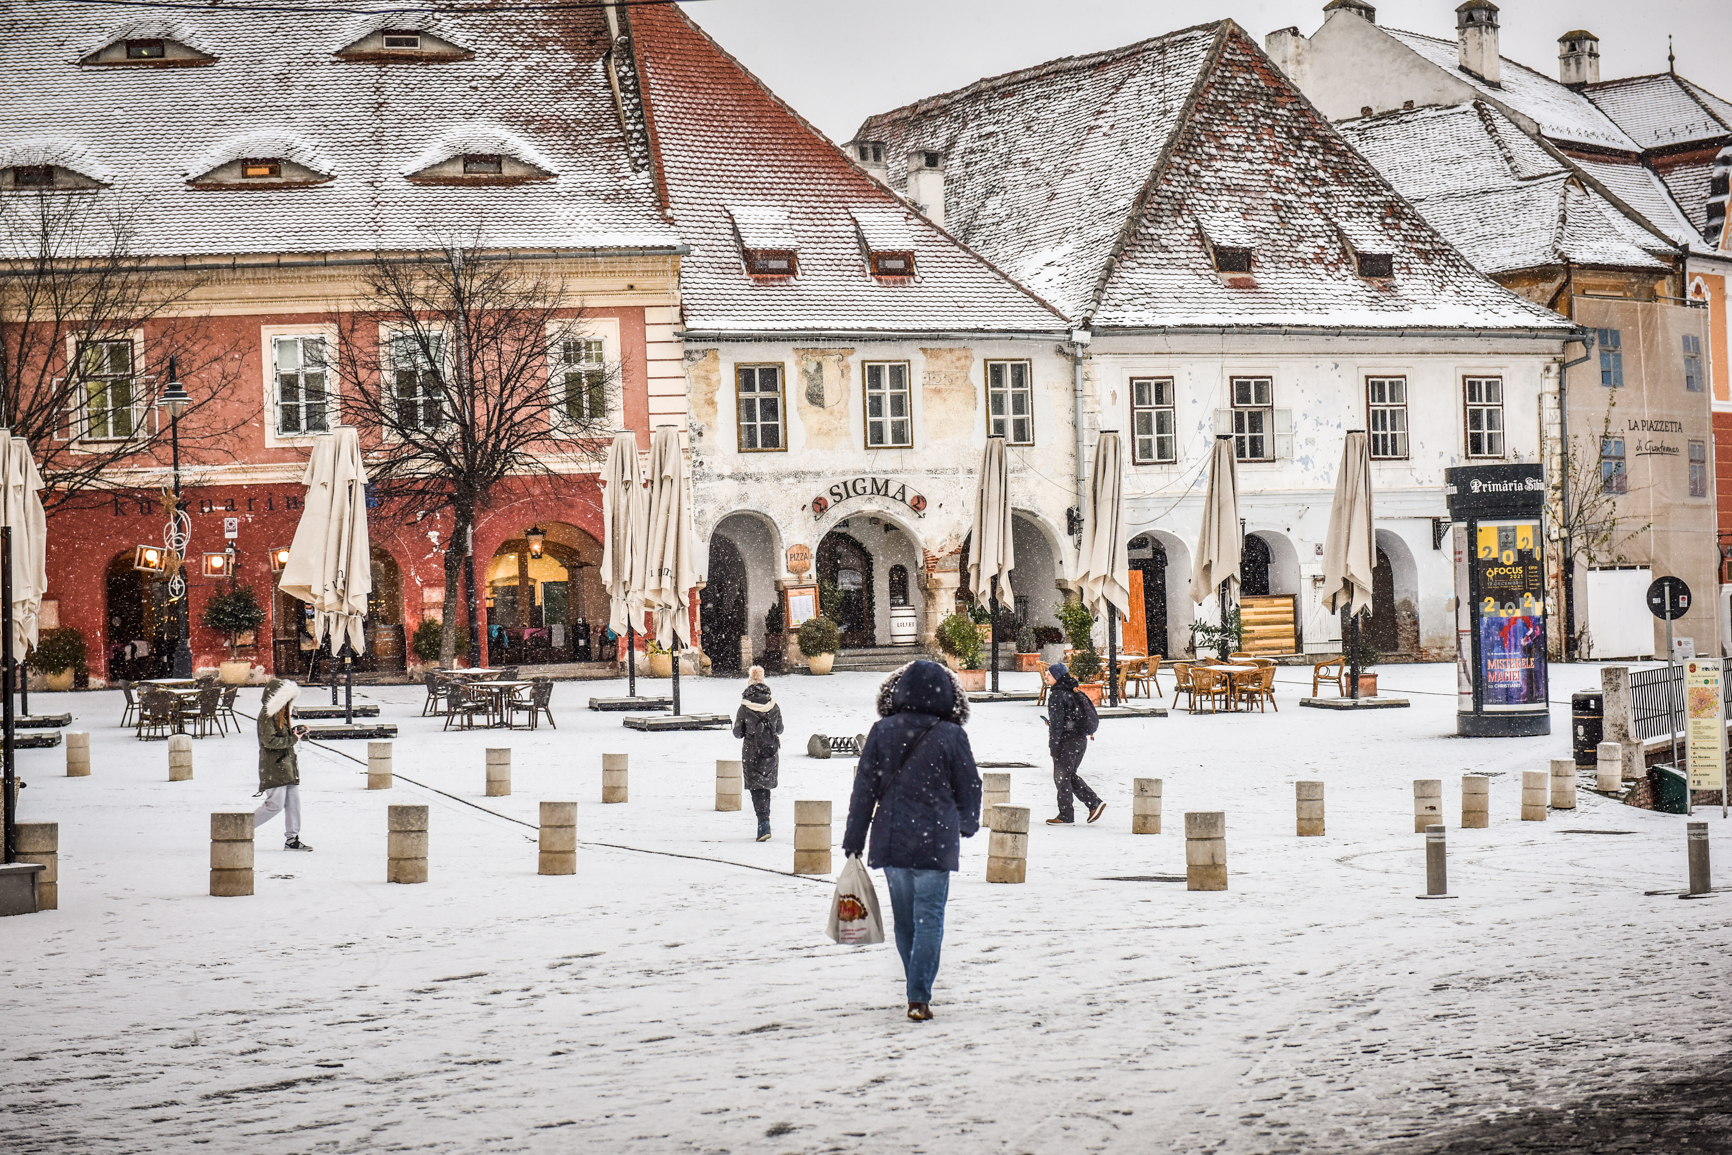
{"type": "Point", "coordinates": [295, 844]}
{"type": "Point", "coordinates": [763, 830]}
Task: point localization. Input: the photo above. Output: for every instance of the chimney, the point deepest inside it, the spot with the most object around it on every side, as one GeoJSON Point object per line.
{"type": "Point", "coordinates": [869, 155]}
{"type": "Point", "coordinates": [1359, 8]}
{"type": "Point", "coordinates": [926, 183]}
{"type": "Point", "coordinates": [1476, 39]}
{"type": "Point", "coordinates": [1579, 58]}
{"type": "Point", "coordinates": [1286, 47]}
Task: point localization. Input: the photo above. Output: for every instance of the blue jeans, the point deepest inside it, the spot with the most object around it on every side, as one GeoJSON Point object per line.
{"type": "Point", "coordinates": [917, 899]}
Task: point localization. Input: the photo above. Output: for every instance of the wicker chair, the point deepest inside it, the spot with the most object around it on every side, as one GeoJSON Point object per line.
{"type": "Point", "coordinates": [1210, 684]}
{"type": "Point", "coordinates": [437, 690]}
{"type": "Point", "coordinates": [1182, 682]}
{"type": "Point", "coordinates": [540, 694]}
{"type": "Point", "coordinates": [460, 703]}
{"type": "Point", "coordinates": [1258, 688]}
{"type": "Point", "coordinates": [158, 713]}
{"type": "Point", "coordinates": [1332, 670]}
{"type": "Point", "coordinates": [129, 715]}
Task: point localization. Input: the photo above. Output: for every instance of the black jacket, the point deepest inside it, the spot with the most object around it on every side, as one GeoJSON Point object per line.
{"type": "Point", "coordinates": [759, 727]}
{"type": "Point", "coordinates": [918, 816]}
{"type": "Point", "coordinates": [1070, 716]}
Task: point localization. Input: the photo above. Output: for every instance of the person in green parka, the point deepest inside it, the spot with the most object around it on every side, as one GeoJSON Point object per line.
{"type": "Point", "coordinates": [279, 769]}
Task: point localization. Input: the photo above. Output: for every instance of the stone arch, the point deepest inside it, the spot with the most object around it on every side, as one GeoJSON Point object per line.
{"type": "Point", "coordinates": [528, 596]}
{"type": "Point", "coordinates": [140, 620]}
{"type": "Point", "coordinates": [1395, 596]}
{"type": "Point", "coordinates": [1282, 566]}
{"type": "Point", "coordinates": [757, 539]}
{"type": "Point", "coordinates": [1038, 578]}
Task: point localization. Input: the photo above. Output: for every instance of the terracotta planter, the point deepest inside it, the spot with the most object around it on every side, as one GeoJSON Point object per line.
{"type": "Point", "coordinates": [661, 665]}
{"type": "Point", "coordinates": [820, 663]}
{"type": "Point", "coordinates": [973, 681]}
{"type": "Point", "coordinates": [1027, 663]}
{"type": "Point", "coordinates": [1093, 691]}
{"type": "Point", "coordinates": [1368, 685]}
{"type": "Point", "coordinates": [61, 680]}
{"type": "Point", "coordinates": [984, 629]}
{"type": "Point", "coordinates": [235, 673]}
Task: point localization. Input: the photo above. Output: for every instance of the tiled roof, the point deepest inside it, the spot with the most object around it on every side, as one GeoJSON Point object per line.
{"type": "Point", "coordinates": [733, 155]}
{"type": "Point", "coordinates": [1142, 158]}
{"type": "Point", "coordinates": [1499, 196]}
{"type": "Point", "coordinates": [1659, 111]}
{"type": "Point", "coordinates": [1562, 113]}
{"type": "Point", "coordinates": [1641, 188]}
{"type": "Point", "coordinates": [537, 76]}
{"type": "Point", "coordinates": [1689, 185]}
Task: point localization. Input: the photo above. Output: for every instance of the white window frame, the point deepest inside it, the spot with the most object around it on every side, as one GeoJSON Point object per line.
{"type": "Point", "coordinates": [1385, 419]}
{"type": "Point", "coordinates": [77, 421]}
{"type": "Point", "coordinates": [1698, 468]}
{"type": "Point", "coordinates": [1483, 409]}
{"type": "Point", "coordinates": [132, 408]}
{"type": "Point", "coordinates": [1146, 442]}
{"type": "Point", "coordinates": [1016, 428]}
{"type": "Point", "coordinates": [1253, 418]}
{"type": "Point", "coordinates": [740, 422]}
{"type": "Point", "coordinates": [268, 335]}
{"type": "Point", "coordinates": [881, 430]}
{"type": "Point", "coordinates": [389, 369]}
{"type": "Point", "coordinates": [604, 330]}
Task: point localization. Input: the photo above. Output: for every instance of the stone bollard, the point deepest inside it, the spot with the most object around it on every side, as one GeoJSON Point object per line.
{"type": "Point", "coordinates": [1696, 842]}
{"type": "Point", "coordinates": [994, 791]}
{"type": "Point", "coordinates": [1436, 863]}
{"type": "Point", "coordinates": [1308, 802]}
{"type": "Point", "coordinates": [406, 845]}
{"type": "Point", "coordinates": [1534, 784]}
{"type": "Point", "coordinates": [558, 838]}
{"type": "Point", "coordinates": [1007, 849]}
{"type": "Point", "coordinates": [730, 778]}
{"type": "Point", "coordinates": [498, 773]}
{"type": "Point", "coordinates": [1475, 802]}
{"type": "Point", "coordinates": [1205, 850]}
{"type": "Point", "coordinates": [613, 770]}
{"type": "Point", "coordinates": [379, 765]}
{"type": "Point", "coordinates": [179, 757]}
{"type": "Point", "coordinates": [812, 837]}
{"type": "Point", "coordinates": [77, 754]}
{"type": "Point", "coordinates": [1609, 768]}
{"type": "Point", "coordinates": [1145, 806]}
{"type": "Point", "coordinates": [231, 854]}
{"type": "Point", "coordinates": [39, 842]}
{"type": "Point", "coordinates": [1563, 783]}
{"type": "Point", "coordinates": [1427, 803]}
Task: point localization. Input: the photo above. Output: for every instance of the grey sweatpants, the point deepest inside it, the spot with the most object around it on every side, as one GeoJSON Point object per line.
{"type": "Point", "coordinates": [286, 799]}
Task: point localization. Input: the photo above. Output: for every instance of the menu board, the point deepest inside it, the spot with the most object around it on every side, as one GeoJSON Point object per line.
{"type": "Point", "coordinates": [1705, 724]}
{"type": "Point", "coordinates": [1509, 581]}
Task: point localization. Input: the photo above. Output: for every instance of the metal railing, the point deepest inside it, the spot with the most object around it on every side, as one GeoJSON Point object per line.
{"type": "Point", "coordinates": [1654, 710]}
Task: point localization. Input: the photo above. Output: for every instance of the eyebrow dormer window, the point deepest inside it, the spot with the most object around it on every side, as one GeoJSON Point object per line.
{"type": "Point", "coordinates": [33, 176]}
{"type": "Point", "coordinates": [771, 262]}
{"type": "Point", "coordinates": [257, 169]}
{"type": "Point", "coordinates": [409, 40]}
{"type": "Point", "coordinates": [1232, 260]}
{"type": "Point", "coordinates": [146, 50]}
{"type": "Point", "coordinates": [1376, 265]}
{"type": "Point", "coordinates": [483, 164]}
{"type": "Point", "coordinates": [892, 264]}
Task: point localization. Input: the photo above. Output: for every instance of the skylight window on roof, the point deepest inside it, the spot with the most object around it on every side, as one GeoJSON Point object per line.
{"type": "Point", "coordinates": [44, 178]}
{"type": "Point", "coordinates": [398, 42]}
{"type": "Point", "coordinates": [480, 154]}
{"type": "Point", "coordinates": [145, 50]}
{"type": "Point", "coordinates": [255, 169]}
{"type": "Point", "coordinates": [155, 44]}
{"type": "Point", "coordinates": [483, 164]}
{"type": "Point", "coordinates": [893, 264]}
{"type": "Point", "coordinates": [402, 39]}
{"type": "Point", "coordinates": [1231, 259]}
{"type": "Point", "coordinates": [1376, 265]}
{"type": "Point", "coordinates": [772, 262]}
{"type": "Point", "coordinates": [33, 176]}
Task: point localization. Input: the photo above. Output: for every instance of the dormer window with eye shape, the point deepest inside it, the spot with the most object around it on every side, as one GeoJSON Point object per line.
{"type": "Point", "coordinates": [145, 50]}
{"type": "Point", "coordinates": [151, 44]}
{"type": "Point", "coordinates": [398, 39]}
{"type": "Point", "coordinates": [47, 166]}
{"type": "Point", "coordinates": [256, 169]}
{"type": "Point", "coordinates": [260, 160]}
{"type": "Point", "coordinates": [483, 164]}
{"type": "Point", "coordinates": [1231, 243]}
{"type": "Point", "coordinates": [886, 237]}
{"type": "Point", "coordinates": [480, 154]}
{"type": "Point", "coordinates": [768, 244]}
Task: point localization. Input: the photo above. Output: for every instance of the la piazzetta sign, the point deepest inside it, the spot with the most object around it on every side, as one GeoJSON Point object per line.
{"type": "Point", "coordinates": [884, 487]}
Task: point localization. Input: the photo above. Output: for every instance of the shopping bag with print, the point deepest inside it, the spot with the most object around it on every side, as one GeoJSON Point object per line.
{"type": "Point", "coordinates": [854, 917]}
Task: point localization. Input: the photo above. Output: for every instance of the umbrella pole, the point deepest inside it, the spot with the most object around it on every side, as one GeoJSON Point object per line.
{"type": "Point", "coordinates": [1112, 655]}
{"type": "Point", "coordinates": [676, 657]}
{"type": "Point", "coordinates": [1353, 649]}
{"type": "Point", "coordinates": [333, 672]}
{"type": "Point", "coordinates": [9, 785]}
{"type": "Point", "coordinates": [630, 662]}
{"type": "Point", "coordinates": [348, 684]}
{"type": "Point", "coordinates": [23, 691]}
{"type": "Point", "coordinates": [993, 602]}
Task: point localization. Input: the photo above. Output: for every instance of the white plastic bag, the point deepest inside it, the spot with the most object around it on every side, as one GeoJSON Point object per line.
{"type": "Point", "coordinates": [854, 917]}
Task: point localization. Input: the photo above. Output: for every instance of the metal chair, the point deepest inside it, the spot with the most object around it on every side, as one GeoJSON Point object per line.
{"type": "Point", "coordinates": [129, 715]}
{"type": "Point", "coordinates": [508, 674]}
{"type": "Point", "coordinates": [437, 690]}
{"type": "Point", "coordinates": [460, 703]}
{"type": "Point", "coordinates": [540, 694]}
{"type": "Point", "coordinates": [1332, 670]}
{"type": "Point", "coordinates": [209, 714]}
{"type": "Point", "coordinates": [227, 713]}
{"type": "Point", "coordinates": [158, 714]}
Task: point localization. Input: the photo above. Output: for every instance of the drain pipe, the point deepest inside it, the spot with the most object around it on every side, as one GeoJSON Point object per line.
{"type": "Point", "coordinates": [1079, 341]}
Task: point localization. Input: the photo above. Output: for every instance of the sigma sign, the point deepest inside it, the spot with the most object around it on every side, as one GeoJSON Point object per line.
{"type": "Point", "coordinates": [884, 487]}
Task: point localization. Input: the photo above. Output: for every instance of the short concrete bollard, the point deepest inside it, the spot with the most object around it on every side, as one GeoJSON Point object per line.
{"type": "Point", "coordinates": [498, 773]}
{"type": "Point", "coordinates": [1475, 802]}
{"type": "Point", "coordinates": [1427, 803]}
{"type": "Point", "coordinates": [613, 780]}
{"type": "Point", "coordinates": [1145, 806]}
{"type": "Point", "coordinates": [1436, 864]}
{"type": "Point", "coordinates": [1563, 783]}
{"type": "Point", "coordinates": [1007, 849]}
{"type": "Point", "coordinates": [812, 837]}
{"type": "Point", "coordinates": [77, 754]}
{"type": "Point", "coordinates": [406, 845]}
{"type": "Point", "coordinates": [231, 854]}
{"type": "Point", "coordinates": [1534, 790]}
{"type": "Point", "coordinates": [179, 757]}
{"type": "Point", "coordinates": [1308, 804]}
{"type": "Point", "coordinates": [730, 778]}
{"type": "Point", "coordinates": [379, 765]}
{"type": "Point", "coordinates": [39, 842]}
{"type": "Point", "coordinates": [558, 838]}
{"type": "Point", "coordinates": [1205, 850]}
{"type": "Point", "coordinates": [1696, 842]}
{"type": "Point", "coordinates": [994, 791]}
{"type": "Point", "coordinates": [1609, 768]}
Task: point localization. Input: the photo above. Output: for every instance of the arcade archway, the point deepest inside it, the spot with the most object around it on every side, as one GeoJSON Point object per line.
{"type": "Point", "coordinates": [141, 622]}
{"type": "Point", "coordinates": [545, 603]}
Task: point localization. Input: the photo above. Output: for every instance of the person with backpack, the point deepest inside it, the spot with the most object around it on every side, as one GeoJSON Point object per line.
{"type": "Point", "coordinates": [279, 769]}
{"type": "Point", "coordinates": [917, 790]}
{"type": "Point", "coordinates": [1070, 727]}
{"type": "Point", "coordinates": [759, 725]}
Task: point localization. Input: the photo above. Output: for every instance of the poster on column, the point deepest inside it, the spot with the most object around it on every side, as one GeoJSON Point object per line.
{"type": "Point", "coordinates": [1705, 724]}
{"type": "Point", "coordinates": [1512, 622]}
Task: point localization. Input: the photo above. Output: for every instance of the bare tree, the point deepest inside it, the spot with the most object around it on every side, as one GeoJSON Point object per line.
{"type": "Point", "coordinates": [1591, 525]}
{"type": "Point", "coordinates": [75, 380]}
{"type": "Point", "coordinates": [463, 370]}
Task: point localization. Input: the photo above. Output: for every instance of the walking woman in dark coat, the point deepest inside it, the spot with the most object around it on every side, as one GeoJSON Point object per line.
{"type": "Point", "coordinates": [759, 723]}
{"type": "Point", "coordinates": [918, 791]}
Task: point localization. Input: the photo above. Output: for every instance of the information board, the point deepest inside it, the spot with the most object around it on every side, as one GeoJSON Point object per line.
{"type": "Point", "coordinates": [1705, 724]}
{"type": "Point", "coordinates": [1510, 584]}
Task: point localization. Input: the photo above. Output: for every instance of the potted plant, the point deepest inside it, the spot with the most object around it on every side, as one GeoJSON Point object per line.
{"type": "Point", "coordinates": [428, 637]}
{"type": "Point", "coordinates": [1027, 652]}
{"type": "Point", "coordinates": [1050, 639]}
{"type": "Point", "coordinates": [59, 654]}
{"type": "Point", "coordinates": [982, 619]}
{"type": "Point", "coordinates": [819, 640]}
{"type": "Point", "coordinates": [232, 613]}
{"type": "Point", "coordinates": [1359, 651]}
{"type": "Point", "coordinates": [1085, 664]}
{"type": "Point", "coordinates": [660, 662]}
{"type": "Point", "coordinates": [959, 637]}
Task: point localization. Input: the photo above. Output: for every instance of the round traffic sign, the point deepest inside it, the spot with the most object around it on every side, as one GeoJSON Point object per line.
{"type": "Point", "coordinates": [1669, 598]}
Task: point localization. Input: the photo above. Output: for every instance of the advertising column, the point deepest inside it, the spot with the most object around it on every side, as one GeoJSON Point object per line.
{"type": "Point", "coordinates": [1500, 598]}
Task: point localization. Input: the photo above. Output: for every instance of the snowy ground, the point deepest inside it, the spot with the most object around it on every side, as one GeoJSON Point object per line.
{"type": "Point", "coordinates": [659, 1003]}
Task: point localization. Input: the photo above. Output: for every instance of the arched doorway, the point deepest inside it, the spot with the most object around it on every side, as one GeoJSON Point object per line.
{"type": "Point", "coordinates": [141, 622]}
{"type": "Point", "coordinates": [1148, 559]}
{"type": "Point", "coordinates": [846, 588]}
{"type": "Point", "coordinates": [722, 604]}
{"type": "Point", "coordinates": [1383, 628]}
{"type": "Point", "coordinates": [545, 604]}
{"type": "Point", "coordinates": [385, 649]}
{"type": "Point", "coordinates": [1254, 567]}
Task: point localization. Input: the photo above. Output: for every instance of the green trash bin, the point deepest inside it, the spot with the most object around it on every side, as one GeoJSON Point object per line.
{"type": "Point", "coordinates": [1671, 789]}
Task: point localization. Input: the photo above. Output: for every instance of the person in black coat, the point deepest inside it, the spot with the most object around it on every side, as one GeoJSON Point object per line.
{"type": "Point", "coordinates": [1071, 722]}
{"type": "Point", "coordinates": [759, 724]}
{"type": "Point", "coordinates": [918, 791]}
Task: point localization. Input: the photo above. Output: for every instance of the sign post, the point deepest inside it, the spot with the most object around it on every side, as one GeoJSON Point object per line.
{"type": "Point", "coordinates": [1668, 599]}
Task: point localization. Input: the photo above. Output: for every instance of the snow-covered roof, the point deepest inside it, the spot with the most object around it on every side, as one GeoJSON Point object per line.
{"type": "Point", "coordinates": [1664, 110]}
{"type": "Point", "coordinates": [537, 75]}
{"type": "Point", "coordinates": [1562, 113]}
{"type": "Point", "coordinates": [734, 156]}
{"type": "Point", "coordinates": [485, 137]}
{"type": "Point", "coordinates": [76, 155]}
{"type": "Point", "coordinates": [1101, 180]}
{"type": "Point", "coordinates": [1502, 198]}
{"type": "Point", "coordinates": [275, 145]}
{"type": "Point", "coordinates": [1641, 188]}
{"type": "Point", "coordinates": [181, 30]}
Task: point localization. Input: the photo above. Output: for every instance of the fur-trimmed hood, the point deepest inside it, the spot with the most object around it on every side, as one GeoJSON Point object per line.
{"type": "Point", "coordinates": [924, 687]}
{"type": "Point", "coordinates": [280, 692]}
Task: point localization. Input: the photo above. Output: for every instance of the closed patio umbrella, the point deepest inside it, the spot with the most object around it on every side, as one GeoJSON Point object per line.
{"type": "Point", "coordinates": [1221, 541]}
{"type": "Point", "coordinates": [1103, 566]}
{"type": "Point", "coordinates": [992, 553]}
{"type": "Point", "coordinates": [25, 580]}
{"type": "Point", "coordinates": [1350, 549]}
{"type": "Point", "coordinates": [670, 551]}
{"type": "Point", "coordinates": [330, 563]}
{"type": "Point", "coordinates": [624, 509]}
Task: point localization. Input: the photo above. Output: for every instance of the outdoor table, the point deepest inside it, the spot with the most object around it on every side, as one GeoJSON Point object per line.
{"type": "Point", "coordinates": [497, 692]}
{"type": "Point", "coordinates": [1233, 670]}
{"type": "Point", "coordinates": [167, 683]}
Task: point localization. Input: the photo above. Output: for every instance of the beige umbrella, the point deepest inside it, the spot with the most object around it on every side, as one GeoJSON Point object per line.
{"type": "Point", "coordinates": [1350, 549]}
{"type": "Point", "coordinates": [992, 552]}
{"type": "Point", "coordinates": [1103, 566]}
{"type": "Point", "coordinates": [623, 512]}
{"type": "Point", "coordinates": [21, 508]}
{"type": "Point", "coordinates": [1220, 543]}
{"type": "Point", "coordinates": [330, 563]}
{"type": "Point", "coordinates": [670, 550]}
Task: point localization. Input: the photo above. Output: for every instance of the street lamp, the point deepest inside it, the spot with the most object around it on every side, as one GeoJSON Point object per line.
{"type": "Point", "coordinates": [178, 534]}
{"type": "Point", "coordinates": [535, 535]}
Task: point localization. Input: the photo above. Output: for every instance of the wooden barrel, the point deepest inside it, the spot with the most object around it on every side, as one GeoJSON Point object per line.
{"type": "Point", "coordinates": [386, 643]}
